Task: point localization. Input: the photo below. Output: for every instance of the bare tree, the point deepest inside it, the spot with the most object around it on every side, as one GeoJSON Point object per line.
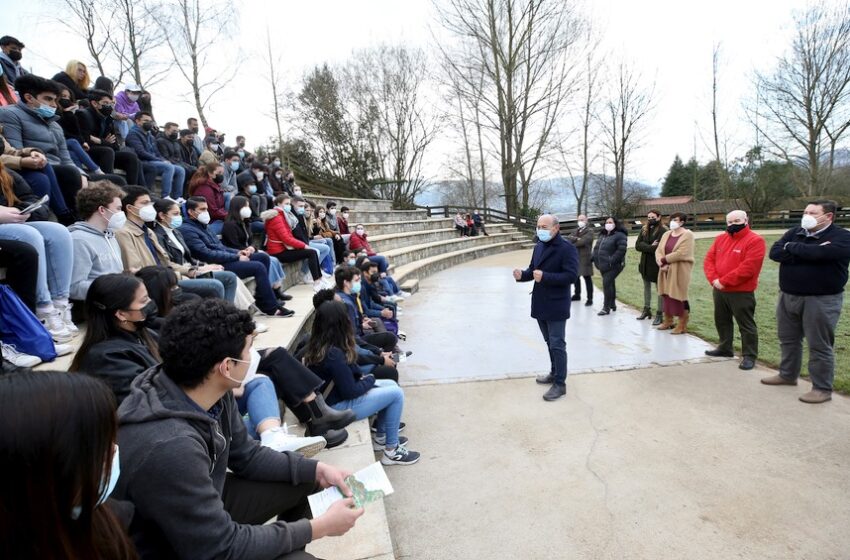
{"type": "Point", "coordinates": [274, 79]}
{"type": "Point", "coordinates": [804, 104]}
{"type": "Point", "coordinates": [522, 48]}
{"type": "Point", "coordinates": [193, 29]}
{"type": "Point", "coordinates": [88, 23]}
{"type": "Point", "coordinates": [137, 46]}
{"type": "Point", "coordinates": [629, 104]}
{"type": "Point", "coordinates": [718, 157]}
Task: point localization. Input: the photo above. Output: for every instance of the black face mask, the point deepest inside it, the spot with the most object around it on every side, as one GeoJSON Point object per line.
{"type": "Point", "coordinates": [64, 103]}
{"type": "Point", "coordinates": [149, 311]}
{"type": "Point", "coordinates": [375, 278]}
{"type": "Point", "coordinates": [105, 110]}
{"type": "Point", "coordinates": [172, 136]}
{"type": "Point", "coordinates": [218, 178]}
{"type": "Point", "coordinates": [15, 55]}
{"type": "Point", "coordinates": [652, 221]}
{"type": "Point", "coordinates": [735, 228]}
{"type": "Point", "coordinates": [147, 126]}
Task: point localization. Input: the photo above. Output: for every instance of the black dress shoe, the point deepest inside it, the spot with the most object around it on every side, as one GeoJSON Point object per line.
{"type": "Point", "coordinates": [605, 311]}
{"type": "Point", "coordinates": [588, 303]}
{"type": "Point", "coordinates": [283, 296]}
{"type": "Point", "coordinates": [576, 297]}
{"type": "Point", "coordinates": [747, 363]}
{"type": "Point", "coordinates": [547, 379]}
{"type": "Point", "coordinates": [716, 353]}
{"type": "Point", "coordinates": [555, 392]}
{"type": "Point", "coordinates": [658, 319]}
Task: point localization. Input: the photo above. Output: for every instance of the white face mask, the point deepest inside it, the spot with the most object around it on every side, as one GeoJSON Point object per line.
{"type": "Point", "coordinates": [609, 227]}
{"type": "Point", "coordinates": [133, 96]}
{"type": "Point", "coordinates": [332, 211]}
{"type": "Point", "coordinates": [204, 218]}
{"type": "Point", "coordinates": [260, 175]}
{"type": "Point", "coordinates": [147, 213]}
{"type": "Point", "coordinates": [360, 231]}
{"type": "Point", "coordinates": [581, 224]}
{"type": "Point", "coordinates": [321, 215]}
{"type": "Point", "coordinates": [117, 220]}
{"type": "Point", "coordinates": [809, 222]}
{"type": "Point", "coordinates": [252, 368]}
{"type": "Point", "coordinates": [345, 215]}
{"type": "Point", "coordinates": [674, 225]}
{"type": "Point", "coordinates": [245, 212]}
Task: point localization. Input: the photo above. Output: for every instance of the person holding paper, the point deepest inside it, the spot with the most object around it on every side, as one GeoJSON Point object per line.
{"type": "Point", "coordinates": [180, 433]}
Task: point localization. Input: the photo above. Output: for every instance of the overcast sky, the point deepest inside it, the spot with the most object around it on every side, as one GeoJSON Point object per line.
{"type": "Point", "coordinates": [669, 42]}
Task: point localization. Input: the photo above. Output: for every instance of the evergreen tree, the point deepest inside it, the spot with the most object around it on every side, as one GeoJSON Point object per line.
{"type": "Point", "coordinates": [679, 180]}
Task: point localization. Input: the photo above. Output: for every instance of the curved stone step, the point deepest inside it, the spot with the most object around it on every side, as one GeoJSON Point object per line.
{"type": "Point", "coordinates": [376, 216]}
{"type": "Point", "coordinates": [354, 204]}
{"type": "Point", "coordinates": [406, 255]}
{"type": "Point", "coordinates": [384, 228]}
{"type": "Point", "coordinates": [391, 241]}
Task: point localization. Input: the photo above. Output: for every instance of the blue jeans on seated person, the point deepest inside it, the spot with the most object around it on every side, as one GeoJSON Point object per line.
{"type": "Point", "coordinates": [79, 156]}
{"type": "Point", "coordinates": [216, 227]}
{"type": "Point", "coordinates": [43, 182]}
{"type": "Point", "coordinates": [259, 402]}
{"type": "Point", "coordinates": [276, 273]}
{"type": "Point", "coordinates": [381, 261]}
{"type": "Point", "coordinates": [258, 268]}
{"type": "Point", "coordinates": [172, 177]}
{"type": "Point", "coordinates": [55, 256]}
{"type": "Point", "coordinates": [386, 399]}
{"type": "Point", "coordinates": [554, 333]}
{"type": "Point", "coordinates": [204, 287]}
{"type": "Point", "coordinates": [325, 252]}
{"type": "Point", "coordinates": [390, 286]}
{"type": "Point", "coordinates": [230, 282]}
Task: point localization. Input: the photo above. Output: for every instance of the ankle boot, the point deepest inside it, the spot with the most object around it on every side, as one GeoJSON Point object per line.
{"type": "Point", "coordinates": [667, 324]}
{"type": "Point", "coordinates": [647, 313]}
{"type": "Point", "coordinates": [682, 327]}
{"type": "Point", "coordinates": [333, 437]}
{"type": "Point", "coordinates": [657, 320]}
{"type": "Point", "coordinates": [321, 418]}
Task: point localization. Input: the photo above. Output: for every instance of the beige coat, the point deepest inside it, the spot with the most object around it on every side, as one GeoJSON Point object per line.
{"type": "Point", "coordinates": [674, 281]}
{"type": "Point", "coordinates": [135, 253]}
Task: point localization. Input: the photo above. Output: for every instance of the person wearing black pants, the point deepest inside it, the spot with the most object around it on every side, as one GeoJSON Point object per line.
{"type": "Point", "coordinates": [582, 240]}
{"type": "Point", "coordinates": [71, 181]}
{"type": "Point", "coordinates": [609, 256]}
{"type": "Point", "coordinates": [21, 263]}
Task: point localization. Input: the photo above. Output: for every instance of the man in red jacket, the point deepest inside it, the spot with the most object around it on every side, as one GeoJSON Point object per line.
{"type": "Point", "coordinates": [732, 265]}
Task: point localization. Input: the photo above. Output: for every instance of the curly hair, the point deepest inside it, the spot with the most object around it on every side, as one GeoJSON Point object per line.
{"type": "Point", "coordinates": [95, 195]}
{"type": "Point", "coordinates": [196, 337]}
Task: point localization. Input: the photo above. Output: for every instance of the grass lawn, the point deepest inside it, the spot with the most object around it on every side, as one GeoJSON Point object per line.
{"type": "Point", "coordinates": [630, 291]}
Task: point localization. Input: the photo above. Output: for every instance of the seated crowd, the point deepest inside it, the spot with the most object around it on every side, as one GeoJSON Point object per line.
{"type": "Point", "coordinates": [166, 282]}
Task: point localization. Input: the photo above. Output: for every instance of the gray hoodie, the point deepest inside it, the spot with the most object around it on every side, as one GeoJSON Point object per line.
{"type": "Point", "coordinates": [174, 461]}
{"type": "Point", "coordinates": [95, 253]}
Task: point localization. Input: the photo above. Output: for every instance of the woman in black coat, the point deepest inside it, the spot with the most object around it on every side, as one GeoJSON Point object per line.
{"type": "Point", "coordinates": [609, 256]}
{"type": "Point", "coordinates": [646, 244]}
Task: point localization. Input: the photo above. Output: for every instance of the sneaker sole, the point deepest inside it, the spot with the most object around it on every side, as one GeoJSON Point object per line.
{"type": "Point", "coordinates": [311, 449]}
{"type": "Point", "coordinates": [387, 461]}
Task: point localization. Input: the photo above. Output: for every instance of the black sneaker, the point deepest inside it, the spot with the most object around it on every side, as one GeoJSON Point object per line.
{"type": "Point", "coordinates": [547, 379]}
{"type": "Point", "coordinates": [716, 353]}
{"type": "Point", "coordinates": [576, 297]}
{"type": "Point", "coordinates": [380, 442]}
{"type": "Point", "coordinates": [399, 456]}
{"type": "Point", "coordinates": [401, 426]}
{"type": "Point", "coordinates": [555, 392]}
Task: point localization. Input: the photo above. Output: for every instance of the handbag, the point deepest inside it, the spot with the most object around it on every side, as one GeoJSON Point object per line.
{"type": "Point", "coordinates": [22, 329]}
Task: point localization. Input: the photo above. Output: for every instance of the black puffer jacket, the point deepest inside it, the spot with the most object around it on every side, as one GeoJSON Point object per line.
{"type": "Point", "coordinates": [609, 253]}
{"type": "Point", "coordinates": [117, 361]}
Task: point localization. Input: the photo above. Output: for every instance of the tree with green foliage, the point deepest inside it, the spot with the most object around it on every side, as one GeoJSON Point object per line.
{"type": "Point", "coordinates": [679, 181]}
{"type": "Point", "coordinates": [763, 184]}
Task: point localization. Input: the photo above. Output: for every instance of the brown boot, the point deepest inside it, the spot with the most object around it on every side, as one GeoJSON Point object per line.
{"type": "Point", "coordinates": [816, 396]}
{"type": "Point", "coordinates": [667, 324]}
{"type": "Point", "coordinates": [682, 327]}
{"type": "Point", "coordinates": [778, 380]}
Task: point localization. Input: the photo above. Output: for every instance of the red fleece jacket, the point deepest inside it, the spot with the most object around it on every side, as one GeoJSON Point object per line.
{"type": "Point", "coordinates": [735, 260]}
{"type": "Point", "coordinates": [280, 236]}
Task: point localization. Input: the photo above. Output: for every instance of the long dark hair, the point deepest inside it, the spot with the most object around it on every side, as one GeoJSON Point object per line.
{"type": "Point", "coordinates": [107, 294]}
{"type": "Point", "coordinates": [56, 446]}
{"type": "Point", "coordinates": [618, 226]}
{"type": "Point", "coordinates": [331, 327]}
{"type": "Point", "coordinates": [236, 204]}
{"type": "Point", "coordinates": [160, 282]}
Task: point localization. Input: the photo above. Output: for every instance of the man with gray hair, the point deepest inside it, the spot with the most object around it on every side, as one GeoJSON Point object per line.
{"type": "Point", "coordinates": [554, 268]}
{"type": "Point", "coordinates": [732, 266]}
{"type": "Point", "coordinates": [813, 261]}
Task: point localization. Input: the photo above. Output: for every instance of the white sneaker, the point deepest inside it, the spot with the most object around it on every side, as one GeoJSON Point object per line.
{"type": "Point", "coordinates": [307, 278]}
{"type": "Point", "coordinates": [328, 282]}
{"type": "Point", "coordinates": [64, 310]}
{"type": "Point", "coordinates": [260, 327]}
{"type": "Point", "coordinates": [54, 324]}
{"type": "Point", "coordinates": [19, 359]}
{"type": "Point", "coordinates": [403, 294]}
{"type": "Point", "coordinates": [280, 439]}
{"type": "Point", "coordinates": [63, 349]}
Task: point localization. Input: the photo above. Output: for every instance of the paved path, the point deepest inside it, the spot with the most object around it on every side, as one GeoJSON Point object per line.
{"type": "Point", "coordinates": [698, 461]}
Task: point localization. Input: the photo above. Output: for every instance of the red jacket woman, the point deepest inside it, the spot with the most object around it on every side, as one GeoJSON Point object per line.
{"type": "Point", "coordinates": [279, 233]}
{"type": "Point", "coordinates": [357, 242]}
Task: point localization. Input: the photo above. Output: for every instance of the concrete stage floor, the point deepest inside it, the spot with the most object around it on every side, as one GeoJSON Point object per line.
{"type": "Point", "coordinates": [695, 460]}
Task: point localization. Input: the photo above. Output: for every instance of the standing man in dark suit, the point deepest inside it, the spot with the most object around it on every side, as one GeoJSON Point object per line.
{"type": "Point", "coordinates": [553, 267]}
{"type": "Point", "coordinates": [582, 240]}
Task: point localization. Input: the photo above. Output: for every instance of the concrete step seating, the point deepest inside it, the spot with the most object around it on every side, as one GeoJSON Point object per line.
{"type": "Point", "coordinates": [417, 246]}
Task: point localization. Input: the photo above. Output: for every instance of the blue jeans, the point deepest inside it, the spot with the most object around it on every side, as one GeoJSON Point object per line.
{"type": "Point", "coordinates": [325, 254]}
{"type": "Point", "coordinates": [389, 285]}
{"type": "Point", "coordinates": [554, 333]}
{"type": "Point", "coordinates": [386, 399]}
{"type": "Point", "coordinates": [79, 156]}
{"type": "Point", "coordinates": [276, 273]}
{"type": "Point", "coordinates": [172, 176]}
{"type": "Point", "coordinates": [258, 268]}
{"type": "Point", "coordinates": [204, 287]}
{"type": "Point", "coordinates": [259, 402]}
{"type": "Point", "coordinates": [216, 227]}
{"type": "Point", "coordinates": [381, 261]}
{"type": "Point", "coordinates": [43, 182]}
{"type": "Point", "coordinates": [230, 282]}
{"type": "Point", "coordinates": [55, 256]}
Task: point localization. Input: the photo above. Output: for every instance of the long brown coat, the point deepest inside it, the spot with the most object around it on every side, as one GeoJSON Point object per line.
{"type": "Point", "coordinates": [582, 238]}
{"type": "Point", "coordinates": [674, 281]}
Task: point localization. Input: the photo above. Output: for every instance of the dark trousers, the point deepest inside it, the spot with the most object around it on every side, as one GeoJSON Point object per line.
{"type": "Point", "coordinates": [386, 341]}
{"type": "Point", "coordinates": [740, 306]}
{"type": "Point", "coordinates": [293, 381]}
{"type": "Point", "coordinates": [588, 286]}
{"type": "Point", "coordinates": [21, 263]}
{"type": "Point", "coordinates": [609, 287]}
{"type": "Point", "coordinates": [554, 333]}
{"type": "Point", "coordinates": [70, 182]}
{"type": "Point", "coordinates": [258, 268]}
{"type": "Point", "coordinates": [295, 255]}
{"type": "Point", "coordinates": [252, 502]}
{"type": "Point", "coordinates": [103, 156]}
{"type": "Point", "coordinates": [815, 318]}
{"type": "Point", "coordinates": [385, 372]}
{"type": "Point", "coordinates": [128, 161]}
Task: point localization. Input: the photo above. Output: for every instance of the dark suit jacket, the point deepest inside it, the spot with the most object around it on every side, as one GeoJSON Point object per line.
{"type": "Point", "coordinates": [550, 298]}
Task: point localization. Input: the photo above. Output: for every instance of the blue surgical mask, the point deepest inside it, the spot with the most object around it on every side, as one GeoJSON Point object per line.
{"type": "Point", "coordinates": [252, 189]}
{"type": "Point", "coordinates": [287, 208]}
{"type": "Point", "coordinates": [544, 235]}
{"type": "Point", "coordinates": [355, 287]}
{"type": "Point", "coordinates": [45, 111]}
{"type": "Point", "coordinates": [176, 221]}
{"type": "Point", "coordinates": [352, 262]}
{"type": "Point", "coordinates": [300, 211]}
{"type": "Point", "coordinates": [106, 486]}
{"type": "Point", "coordinates": [234, 165]}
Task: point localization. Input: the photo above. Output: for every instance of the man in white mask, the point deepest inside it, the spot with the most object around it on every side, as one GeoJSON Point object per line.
{"type": "Point", "coordinates": [813, 261]}
{"type": "Point", "coordinates": [582, 239]}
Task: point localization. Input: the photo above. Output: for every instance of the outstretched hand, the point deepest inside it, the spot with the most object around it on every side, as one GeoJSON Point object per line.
{"type": "Point", "coordinates": [517, 274]}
